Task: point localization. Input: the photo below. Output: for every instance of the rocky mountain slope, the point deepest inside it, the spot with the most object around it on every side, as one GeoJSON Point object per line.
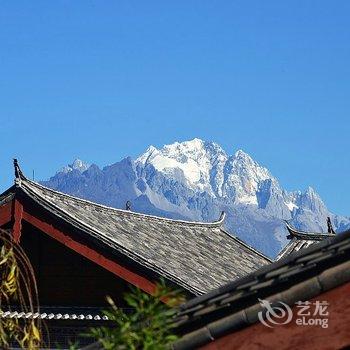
{"type": "Point", "coordinates": [196, 180]}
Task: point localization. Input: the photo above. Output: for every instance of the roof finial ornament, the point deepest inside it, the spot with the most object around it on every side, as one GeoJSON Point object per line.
{"type": "Point", "coordinates": [17, 172]}
{"type": "Point", "coordinates": [128, 206]}
{"type": "Point", "coordinates": [290, 230]}
{"type": "Point", "coordinates": [15, 164]}
{"type": "Point", "coordinates": [330, 226]}
{"type": "Point", "coordinates": [222, 217]}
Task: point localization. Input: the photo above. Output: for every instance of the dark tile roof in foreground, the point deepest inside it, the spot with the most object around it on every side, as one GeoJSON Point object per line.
{"type": "Point", "coordinates": [196, 256]}
{"type": "Point", "coordinates": [298, 277]}
{"type": "Point", "coordinates": [301, 240]}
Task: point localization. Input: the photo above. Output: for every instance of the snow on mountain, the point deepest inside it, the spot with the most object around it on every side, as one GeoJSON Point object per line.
{"type": "Point", "coordinates": [76, 165]}
{"type": "Point", "coordinates": [196, 180]}
{"type": "Point", "coordinates": [191, 162]}
{"type": "Point", "coordinates": [243, 178]}
{"type": "Point", "coordinates": [204, 166]}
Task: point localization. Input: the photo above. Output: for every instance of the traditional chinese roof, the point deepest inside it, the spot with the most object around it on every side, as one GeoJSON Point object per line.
{"type": "Point", "coordinates": [300, 239]}
{"type": "Point", "coordinates": [299, 276]}
{"type": "Point", "coordinates": [197, 256]}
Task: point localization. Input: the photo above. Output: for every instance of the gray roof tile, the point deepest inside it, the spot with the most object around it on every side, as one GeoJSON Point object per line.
{"type": "Point", "coordinates": [296, 277]}
{"type": "Point", "coordinates": [197, 256]}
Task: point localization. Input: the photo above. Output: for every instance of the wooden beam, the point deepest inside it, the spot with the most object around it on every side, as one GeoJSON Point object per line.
{"type": "Point", "coordinates": [5, 213]}
{"type": "Point", "coordinates": [17, 226]}
{"type": "Point", "coordinates": [110, 265]}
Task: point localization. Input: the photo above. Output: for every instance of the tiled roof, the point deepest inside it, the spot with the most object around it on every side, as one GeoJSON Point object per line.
{"type": "Point", "coordinates": [300, 276]}
{"type": "Point", "coordinates": [300, 240]}
{"type": "Point", "coordinates": [196, 256]}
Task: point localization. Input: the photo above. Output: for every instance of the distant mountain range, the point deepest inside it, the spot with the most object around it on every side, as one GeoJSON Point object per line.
{"type": "Point", "coordinates": [196, 180]}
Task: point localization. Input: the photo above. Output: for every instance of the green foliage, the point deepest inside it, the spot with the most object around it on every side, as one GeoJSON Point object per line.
{"type": "Point", "coordinates": [71, 346]}
{"type": "Point", "coordinates": [17, 285]}
{"type": "Point", "coordinates": [147, 327]}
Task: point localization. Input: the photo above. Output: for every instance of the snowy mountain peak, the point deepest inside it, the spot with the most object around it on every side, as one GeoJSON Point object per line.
{"type": "Point", "coordinates": [190, 162]}
{"type": "Point", "coordinates": [205, 167]}
{"type": "Point", "coordinates": [240, 154]}
{"type": "Point", "coordinates": [310, 200]}
{"type": "Point", "coordinates": [310, 191]}
{"type": "Point", "coordinates": [196, 180]}
{"type": "Point", "coordinates": [151, 149]}
{"type": "Point", "coordinates": [245, 160]}
{"type": "Point", "coordinates": [78, 164]}
{"type": "Point", "coordinates": [191, 144]}
{"type": "Point", "coordinates": [183, 150]}
{"type": "Point", "coordinates": [143, 159]}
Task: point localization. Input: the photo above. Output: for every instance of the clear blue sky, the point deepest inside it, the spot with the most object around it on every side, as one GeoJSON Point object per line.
{"type": "Point", "coordinates": [101, 80]}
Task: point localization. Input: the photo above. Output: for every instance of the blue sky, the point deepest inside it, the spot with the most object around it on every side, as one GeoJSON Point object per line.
{"type": "Point", "coordinates": [101, 80]}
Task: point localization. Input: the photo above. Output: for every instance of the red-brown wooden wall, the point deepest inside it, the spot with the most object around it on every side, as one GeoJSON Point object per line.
{"type": "Point", "coordinates": [292, 336]}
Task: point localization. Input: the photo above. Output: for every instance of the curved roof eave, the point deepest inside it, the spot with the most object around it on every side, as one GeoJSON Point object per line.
{"type": "Point", "coordinates": [313, 236]}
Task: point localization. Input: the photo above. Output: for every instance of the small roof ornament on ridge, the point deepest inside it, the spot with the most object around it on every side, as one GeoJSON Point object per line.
{"type": "Point", "coordinates": [294, 233]}
{"type": "Point", "coordinates": [330, 226]}
{"type": "Point", "coordinates": [222, 217]}
{"type": "Point", "coordinates": [17, 169]}
{"type": "Point", "coordinates": [18, 173]}
{"type": "Point", "coordinates": [128, 206]}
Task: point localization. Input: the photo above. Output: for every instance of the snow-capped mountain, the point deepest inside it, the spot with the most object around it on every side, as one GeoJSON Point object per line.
{"type": "Point", "coordinates": [196, 180]}
{"type": "Point", "coordinates": [76, 165]}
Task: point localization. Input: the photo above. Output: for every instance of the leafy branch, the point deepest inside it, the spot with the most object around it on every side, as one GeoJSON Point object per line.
{"type": "Point", "coordinates": [17, 286]}
{"type": "Point", "coordinates": [148, 326]}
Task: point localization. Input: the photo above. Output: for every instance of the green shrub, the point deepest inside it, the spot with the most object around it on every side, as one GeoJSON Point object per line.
{"type": "Point", "coordinates": [148, 326]}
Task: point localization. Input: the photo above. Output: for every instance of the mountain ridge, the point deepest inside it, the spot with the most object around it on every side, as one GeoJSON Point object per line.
{"type": "Point", "coordinates": [196, 180]}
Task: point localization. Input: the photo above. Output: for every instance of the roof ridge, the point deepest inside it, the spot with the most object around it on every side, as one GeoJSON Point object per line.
{"type": "Point", "coordinates": [247, 245]}
{"type": "Point", "coordinates": [217, 223]}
